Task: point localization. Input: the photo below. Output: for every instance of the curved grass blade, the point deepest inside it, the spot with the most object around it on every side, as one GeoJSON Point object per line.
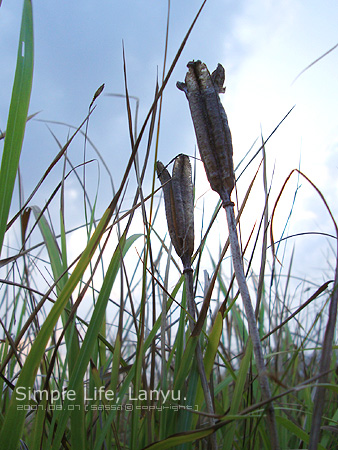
{"type": "Point", "coordinates": [51, 246]}
{"type": "Point", "coordinates": [17, 115]}
{"type": "Point", "coordinates": [127, 382]}
{"type": "Point", "coordinates": [71, 338]}
{"type": "Point", "coordinates": [295, 430]}
{"type": "Point", "coordinates": [14, 420]}
{"type": "Point", "coordinates": [209, 357]}
{"type": "Point", "coordinates": [238, 394]}
{"type": "Point", "coordinates": [180, 438]}
{"type": "Point", "coordinates": [90, 339]}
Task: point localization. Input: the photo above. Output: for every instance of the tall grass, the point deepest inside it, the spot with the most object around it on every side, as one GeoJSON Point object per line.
{"type": "Point", "coordinates": [103, 355]}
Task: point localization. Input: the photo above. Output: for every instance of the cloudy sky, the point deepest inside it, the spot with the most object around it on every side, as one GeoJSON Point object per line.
{"type": "Point", "coordinates": [263, 45]}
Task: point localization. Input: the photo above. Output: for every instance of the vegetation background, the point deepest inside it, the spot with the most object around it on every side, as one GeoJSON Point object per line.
{"type": "Point", "coordinates": [121, 303]}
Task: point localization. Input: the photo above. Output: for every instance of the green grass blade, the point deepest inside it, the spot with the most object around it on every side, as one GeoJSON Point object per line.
{"type": "Point", "coordinates": [180, 438]}
{"type": "Point", "coordinates": [238, 395]}
{"type": "Point", "coordinates": [124, 387]}
{"type": "Point", "coordinates": [71, 337]}
{"type": "Point", "coordinates": [38, 427]}
{"type": "Point", "coordinates": [185, 363]}
{"type": "Point", "coordinates": [52, 248]}
{"type": "Point", "coordinates": [93, 330]}
{"type": "Point", "coordinates": [209, 357]}
{"type": "Point", "coordinates": [17, 116]}
{"type": "Point", "coordinates": [15, 416]}
{"type": "Point", "coordinates": [212, 347]}
{"type": "Point", "coordinates": [295, 430]}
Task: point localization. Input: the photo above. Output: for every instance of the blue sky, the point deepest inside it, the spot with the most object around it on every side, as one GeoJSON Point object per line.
{"type": "Point", "coordinates": [263, 45]}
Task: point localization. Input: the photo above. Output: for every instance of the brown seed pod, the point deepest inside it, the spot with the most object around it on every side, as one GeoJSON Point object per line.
{"type": "Point", "coordinates": [211, 124]}
{"type": "Point", "coordinates": [179, 206]}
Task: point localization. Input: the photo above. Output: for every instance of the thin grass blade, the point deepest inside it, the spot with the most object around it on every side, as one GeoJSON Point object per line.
{"type": "Point", "coordinates": [93, 330]}
{"type": "Point", "coordinates": [15, 416]}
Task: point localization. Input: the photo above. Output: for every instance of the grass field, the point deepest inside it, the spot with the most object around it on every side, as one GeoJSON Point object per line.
{"type": "Point", "coordinates": [106, 350]}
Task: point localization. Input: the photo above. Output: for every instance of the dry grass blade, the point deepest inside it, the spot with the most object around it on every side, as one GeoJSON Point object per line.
{"type": "Point", "coordinates": [314, 62]}
{"type": "Point", "coordinates": [324, 366]}
{"type": "Point", "coordinates": [318, 292]}
{"type": "Point", "coordinates": [265, 236]}
{"type": "Point", "coordinates": [326, 353]}
{"type": "Point", "coordinates": [54, 162]}
{"type": "Point", "coordinates": [31, 116]}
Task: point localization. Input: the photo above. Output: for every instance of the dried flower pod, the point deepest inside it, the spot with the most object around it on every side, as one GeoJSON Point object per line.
{"type": "Point", "coordinates": [211, 125]}
{"type": "Point", "coordinates": [179, 206]}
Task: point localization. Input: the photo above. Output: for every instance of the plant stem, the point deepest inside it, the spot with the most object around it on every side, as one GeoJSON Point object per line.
{"type": "Point", "coordinates": [250, 315]}
{"type": "Point", "coordinates": [188, 273]}
{"type": "Point", "coordinates": [324, 367]}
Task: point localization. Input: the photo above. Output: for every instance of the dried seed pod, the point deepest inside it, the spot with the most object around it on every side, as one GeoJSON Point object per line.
{"type": "Point", "coordinates": [211, 125]}
{"type": "Point", "coordinates": [179, 206]}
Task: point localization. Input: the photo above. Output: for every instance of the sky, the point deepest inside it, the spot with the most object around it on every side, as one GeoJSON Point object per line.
{"type": "Point", "coordinates": [263, 45]}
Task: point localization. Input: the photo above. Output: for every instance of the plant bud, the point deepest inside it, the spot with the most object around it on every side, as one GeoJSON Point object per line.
{"type": "Point", "coordinates": [211, 125]}
{"type": "Point", "coordinates": [179, 206]}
